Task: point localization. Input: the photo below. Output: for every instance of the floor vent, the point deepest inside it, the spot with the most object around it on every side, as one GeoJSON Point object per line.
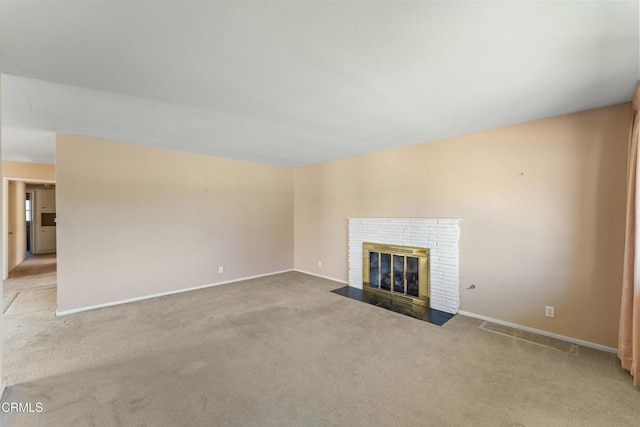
{"type": "Point", "coordinates": [530, 337]}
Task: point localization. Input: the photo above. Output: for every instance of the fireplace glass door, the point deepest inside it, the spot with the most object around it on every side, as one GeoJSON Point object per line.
{"type": "Point", "coordinates": [397, 271]}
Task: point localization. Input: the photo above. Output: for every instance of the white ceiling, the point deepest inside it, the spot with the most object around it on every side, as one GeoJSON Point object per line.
{"type": "Point", "coordinates": [296, 83]}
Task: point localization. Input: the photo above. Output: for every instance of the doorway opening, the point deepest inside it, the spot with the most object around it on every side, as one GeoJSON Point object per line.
{"type": "Point", "coordinates": [30, 282]}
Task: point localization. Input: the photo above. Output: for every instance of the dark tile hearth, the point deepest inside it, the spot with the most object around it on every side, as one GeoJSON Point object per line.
{"type": "Point", "coordinates": [430, 315]}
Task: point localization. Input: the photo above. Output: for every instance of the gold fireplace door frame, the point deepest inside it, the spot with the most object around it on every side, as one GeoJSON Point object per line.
{"type": "Point", "coordinates": [424, 285]}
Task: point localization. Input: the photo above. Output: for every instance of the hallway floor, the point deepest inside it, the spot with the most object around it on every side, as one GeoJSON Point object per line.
{"type": "Point", "coordinates": [31, 286]}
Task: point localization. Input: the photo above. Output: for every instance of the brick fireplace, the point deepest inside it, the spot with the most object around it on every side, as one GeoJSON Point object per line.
{"type": "Point", "coordinates": [439, 236]}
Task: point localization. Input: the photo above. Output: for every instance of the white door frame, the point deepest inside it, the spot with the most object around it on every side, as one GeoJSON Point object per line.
{"type": "Point", "coordinates": [5, 216]}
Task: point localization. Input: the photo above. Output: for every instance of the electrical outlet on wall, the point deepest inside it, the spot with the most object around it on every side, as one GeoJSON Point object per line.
{"type": "Point", "coordinates": [549, 311]}
{"type": "Point", "coordinates": [220, 269]}
{"type": "Point", "coordinates": [319, 263]}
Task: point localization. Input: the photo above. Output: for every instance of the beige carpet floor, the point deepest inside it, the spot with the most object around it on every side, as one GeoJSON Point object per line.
{"type": "Point", "coordinates": [37, 272]}
{"type": "Point", "coordinates": [284, 351]}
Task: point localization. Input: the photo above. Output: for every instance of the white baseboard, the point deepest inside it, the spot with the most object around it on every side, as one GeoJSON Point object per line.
{"type": "Point", "coordinates": [321, 276]}
{"type": "Point", "coordinates": [161, 294]}
{"type": "Point", "coordinates": [541, 332]}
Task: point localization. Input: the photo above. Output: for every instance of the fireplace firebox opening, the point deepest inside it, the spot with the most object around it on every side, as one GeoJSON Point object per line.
{"type": "Point", "coordinates": [400, 272]}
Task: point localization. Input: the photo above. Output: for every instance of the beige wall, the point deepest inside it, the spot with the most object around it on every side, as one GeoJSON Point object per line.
{"type": "Point", "coordinates": [27, 171]}
{"type": "Point", "coordinates": [134, 221]}
{"type": "Point", "coordinates": [17, 223]}
{"type": "Point", "coordinates": [542, 209]}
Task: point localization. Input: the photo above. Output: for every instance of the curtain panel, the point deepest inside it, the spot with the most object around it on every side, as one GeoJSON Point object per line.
{"type": "Point", "coordinates": [629, 338]}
